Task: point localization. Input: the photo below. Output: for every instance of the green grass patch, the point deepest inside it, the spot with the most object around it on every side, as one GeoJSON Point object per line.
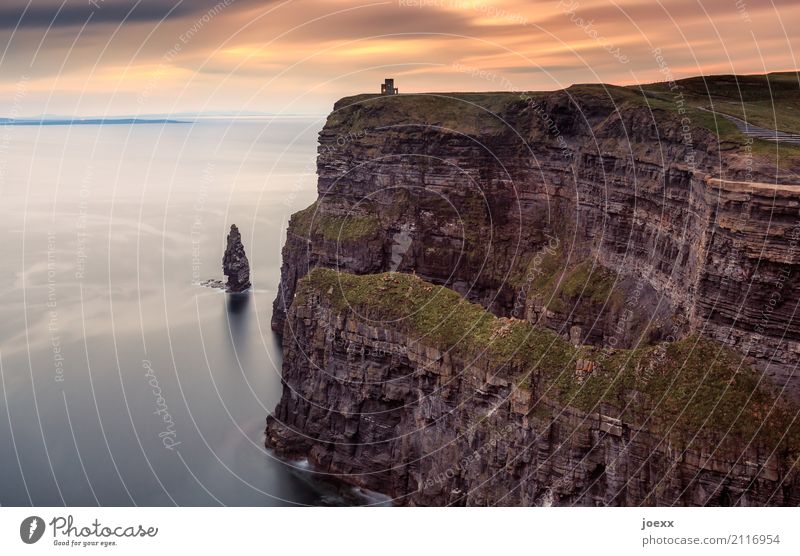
{"type": "Point", "coordinates": [312, 221]}
{"type": "Point", "coordinates": [438, 316]}
{"type": "Point", "coordinates": [591, 282]}
{"type": "Point", "coordinates": [559, 285]}
{"type": "Point", "coordinates": [785, 154]}
{"type": "Point", "coordinates": [688, 385]}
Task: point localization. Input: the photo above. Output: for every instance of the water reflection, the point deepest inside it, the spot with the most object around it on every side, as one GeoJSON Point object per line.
{"type": "Point", "coordinates": [238, 318]}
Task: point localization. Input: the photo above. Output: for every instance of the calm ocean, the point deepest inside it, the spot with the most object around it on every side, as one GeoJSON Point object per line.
{"type": "Point", "coordinates": [123, 381]}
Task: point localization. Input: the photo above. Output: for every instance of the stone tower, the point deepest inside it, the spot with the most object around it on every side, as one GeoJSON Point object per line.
{"type": "Point", "coordinates": [388, 88]}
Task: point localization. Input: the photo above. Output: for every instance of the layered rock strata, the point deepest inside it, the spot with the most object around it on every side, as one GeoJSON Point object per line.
{"type": "Point", "coordinates": [613, 219]}
{"type": "Point", "coordinates": [481, 410]}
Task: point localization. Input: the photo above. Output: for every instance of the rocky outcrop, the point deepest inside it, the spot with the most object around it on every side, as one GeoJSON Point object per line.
{"type": "Point", "coordinates": [234, 263]}
{"type": "Point", "coordinates": [612, 219]}
{"type": "Point", "coordinates": [479, 410]}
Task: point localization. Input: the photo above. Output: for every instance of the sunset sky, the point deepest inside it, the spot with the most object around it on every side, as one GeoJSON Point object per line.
{"type": "Point", "coordinates": [121, 57]}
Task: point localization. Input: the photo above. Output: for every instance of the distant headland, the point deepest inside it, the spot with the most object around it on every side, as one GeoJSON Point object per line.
{"type": "Point", "coordinates": [88, 121]}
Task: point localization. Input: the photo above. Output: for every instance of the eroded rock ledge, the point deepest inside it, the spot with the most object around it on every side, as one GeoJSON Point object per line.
{"type": "Point", "coordinates": [403, 387]}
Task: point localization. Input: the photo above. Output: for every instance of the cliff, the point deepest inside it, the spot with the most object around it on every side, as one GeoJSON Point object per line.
{"type": "Point", "coordinates": [403, 387]}
{"type": "Point", "coordinates": [607, 216]}
{"type": "Point", "coordinates": [621, 221]}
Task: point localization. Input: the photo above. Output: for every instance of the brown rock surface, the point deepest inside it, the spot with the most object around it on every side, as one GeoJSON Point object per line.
{"type": "Point", "coordinates": [594, 216]}
{"type": "Point", "coordinates": [235, 264]}
{"type": "Point", "coordinates": [432, 424]}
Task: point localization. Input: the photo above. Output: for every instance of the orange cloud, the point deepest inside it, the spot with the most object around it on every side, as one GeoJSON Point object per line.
{"type": "Point", "coordinates": [301, 55]}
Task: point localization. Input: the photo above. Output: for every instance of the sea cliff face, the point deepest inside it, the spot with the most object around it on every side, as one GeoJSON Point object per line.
{"type": "Point", "coordinates": [609, 220]}
{"type": "Point", "coordinates": [483, 410]}
{"type": "Point", "coordinates": [614, 220]}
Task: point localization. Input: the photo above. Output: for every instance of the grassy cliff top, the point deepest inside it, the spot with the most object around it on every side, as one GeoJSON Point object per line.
{"type": "Point", "coordinates": [771, 101]}
{"type": "Point", "coordinates": [480, 112]}
{"type": "Point", "coordinates": [472, 113]}
{"type": "Point", "coordinates": [692, 385]}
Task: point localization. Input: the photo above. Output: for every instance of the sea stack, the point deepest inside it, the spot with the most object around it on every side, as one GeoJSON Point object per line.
{"type": "Point", "coordinates": [234, 263]}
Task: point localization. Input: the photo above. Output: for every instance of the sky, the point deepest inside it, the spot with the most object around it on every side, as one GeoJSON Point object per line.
{"type": "Point", "coordinates": [129, 57]}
